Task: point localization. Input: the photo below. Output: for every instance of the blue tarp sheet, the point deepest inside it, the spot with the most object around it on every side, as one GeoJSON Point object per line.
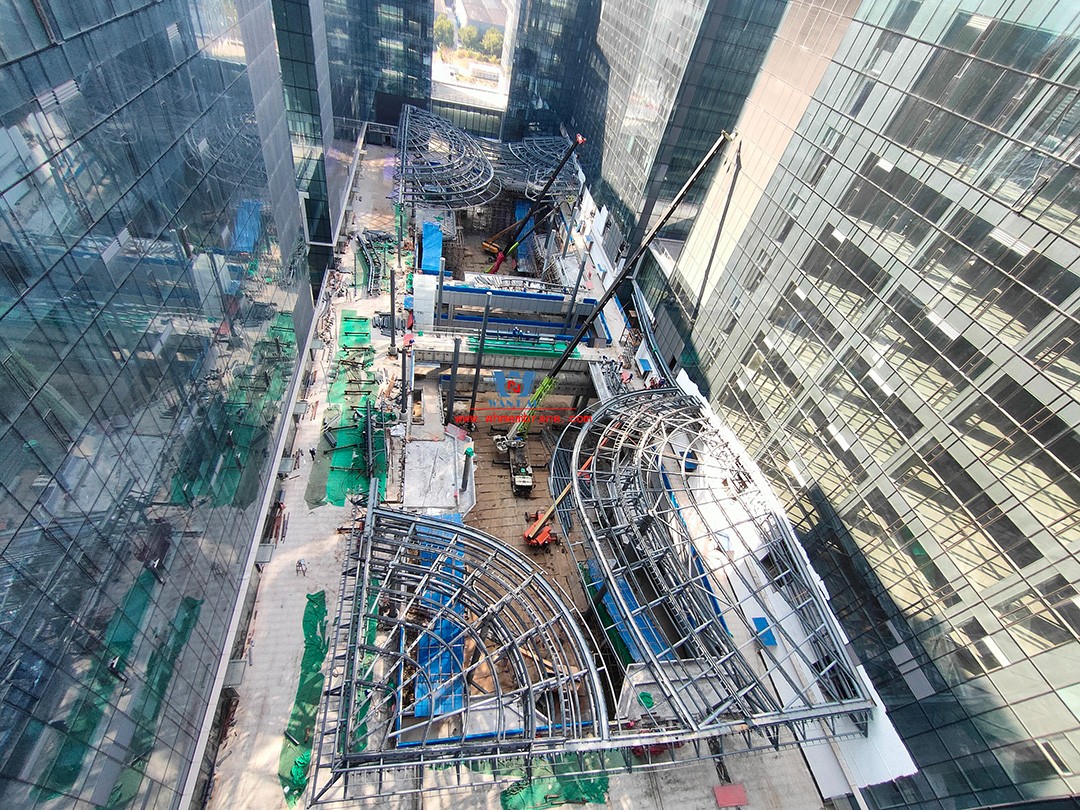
{"type": "Point", "coordinates": [644, 623]}
{"type": "Point", "coordinates": [246, 227]}
{"type": "Point", "coordinates": [764, 634]}
{"type": "Point", "coordinates": [432, 249]}
{"type": "Point", "coordinates": [441, 651]}
{"type": "Point", "coordinates": [524, 250]}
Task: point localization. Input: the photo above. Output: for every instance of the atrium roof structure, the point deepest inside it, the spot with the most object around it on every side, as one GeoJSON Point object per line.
{"type": "Point", "coordinates": [441, 166]}
{"type": "Point", "coordinates": [700, 623]}
{"type": "Point", "coordinates": [525, 167]}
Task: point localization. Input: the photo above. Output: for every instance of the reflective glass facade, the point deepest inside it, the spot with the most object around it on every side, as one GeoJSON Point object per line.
{"type": "Point", "coordinates": [881, 296]}
{"type": "Point", "coordinates": [550, 40]}
{"type": "Point", "coordinates": [380, 58]}
{"type": "Point", "coordinates": [153, 304]}
{"type": "Point", "coordinates": [301, 38]}
{"type": "Point", "coordinates": [658, 84]}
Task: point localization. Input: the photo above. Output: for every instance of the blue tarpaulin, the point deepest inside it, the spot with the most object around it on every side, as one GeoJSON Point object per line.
{"type": "Point", "coordinates": [441, 650]}
{"type": "Point", "coordinates": [246, 227]}
{"type": "Point", "coordinates": [764, 634]}
{"type": "Point", "coordinates": [525, 248]}
{"type": "Point", "coordinates": [644, 624]}
{"type": "Point", "coordinates": [432, 249]}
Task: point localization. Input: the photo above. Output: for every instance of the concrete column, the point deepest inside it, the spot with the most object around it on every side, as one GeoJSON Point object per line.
{"type": "Point", "coordinates": [467, 470]}
{"type": "Point", "coordinates": [438, 299]}
{"type": "Point", "coordinates": [404, 381]}
{"type": "Point", "coordinates": [393, 301]}
{"type": "Point", "coordinates": [577, 285]}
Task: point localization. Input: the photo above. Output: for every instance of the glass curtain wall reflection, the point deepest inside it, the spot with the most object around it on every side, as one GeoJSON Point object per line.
{"type": "Point", "coordinates": [380, 59]}
{"type": "Point", "coordinates": [657, 86]}
{"type": "Point", "coordinates": [151, 318]}
{"type": "Point", "coordinates": [888, 315]}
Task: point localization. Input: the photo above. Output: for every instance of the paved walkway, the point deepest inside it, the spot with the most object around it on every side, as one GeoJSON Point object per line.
{"type": "Point", "coordinates": [247, 768]}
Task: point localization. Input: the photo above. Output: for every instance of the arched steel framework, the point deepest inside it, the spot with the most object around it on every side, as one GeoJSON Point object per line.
{"type": "Point", "coordinates": [440, 165]}
{"type": "Point", "coordinates": [525, 167]}
{"type": "Point", "coordinates": [453, 655]}
{"type": "Point", "coordinates": [706, 592]}
{"type": "Point", "coordinates": [451, 648]}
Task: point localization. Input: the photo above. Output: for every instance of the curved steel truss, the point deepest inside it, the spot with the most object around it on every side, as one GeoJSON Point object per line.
{"type": "Point", "coordinates": [451, 648]}
{"type": "Point", "coordinates": [525, 167]}
{"type": "Point", "coordinates": [709, 602]}
{"type": "Point", "coordinates": [440, 166]}
{"type": "Point", "coordinates": [697, 621]}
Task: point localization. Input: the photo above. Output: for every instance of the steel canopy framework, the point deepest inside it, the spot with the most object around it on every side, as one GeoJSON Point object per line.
{"type": "Point", "coordinates": [705, 584]}
{"type": "Point", "coordinates": [700, 623]}
{"type": "Point", "coordinates": [525, 167]}
{"type": "Point", "coordinates": [440, 166]}
{"type": "Point", "coordinates": [450, 648]}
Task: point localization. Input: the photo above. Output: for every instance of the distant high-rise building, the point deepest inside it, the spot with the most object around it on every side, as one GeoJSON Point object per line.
{"type": "Point", "coordinates": [881, 296]}
{"type": "Point", "coordinates": [659, 82]}
{"type": "Point", "coordinates": [301, 39]}
{"type": "Point", "coordinates": [649, 84]}
{"type": "Point", "coordinates": [153, 307]}
{"type": "Point", "coordinates": [380, 58]}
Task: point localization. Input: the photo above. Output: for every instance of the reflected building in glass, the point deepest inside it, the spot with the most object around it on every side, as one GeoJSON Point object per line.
{"type": "Point", "coordinates": [658, 83]}
{"type": "Point", "coordinates": [380, 59]}
{"type": "Point", "coordinates": [881, 296]}
{"type": "Point", "coordinates": [153, 307]}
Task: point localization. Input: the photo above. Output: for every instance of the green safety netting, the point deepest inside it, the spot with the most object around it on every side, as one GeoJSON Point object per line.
{"type": "Point", "coordinates": [214, 463]}
{"type": "Point", "coordinates": [146, 709]}
{"type": "Point", "coordinates": [300, 731]}
{"type": "Point", "coordinates": [106, 673]}
{"type": "Point", "coordinates": [522, 348]}
{"type": "Point", "coordinates": [557, 783]}
{"type": "Point", "coordinates": [606, 619]}
{"type": "Point", "coordinates": [348, 461]}
{"type": "Point", "coordinates": [341, 470]}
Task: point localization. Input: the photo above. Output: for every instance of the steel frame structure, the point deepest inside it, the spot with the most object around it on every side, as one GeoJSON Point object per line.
{"type": "Point", "coordinates": [525, 167]}
{"type": "Point", "coordinates": [682, 538]}
{"type": "Point", "coordinates": [441, 166]}
{"type": "Point", "coordinates": [453, 655]}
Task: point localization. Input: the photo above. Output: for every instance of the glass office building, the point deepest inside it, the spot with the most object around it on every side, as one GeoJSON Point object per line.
{"type": "Point", "coordinates": [380, 59]}
{"type": "Point", "coordinates": [659, 82]}
{"type": "Point", "coordinates": [153, 307]}
{"type": "Point", "coordinates": [881, 296]}
{"type": "Point", "coordinates": [301, 39]}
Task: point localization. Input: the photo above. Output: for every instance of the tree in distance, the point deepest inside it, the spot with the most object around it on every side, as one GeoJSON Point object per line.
{"type": "Point", "coordinates": [492, 44]}
{"type": "Point", "coordinates": [443, 31]}
{"type": "Point", "coordinates": [470, 37]}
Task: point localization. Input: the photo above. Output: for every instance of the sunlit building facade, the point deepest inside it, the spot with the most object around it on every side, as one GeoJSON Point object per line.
{"type": "Point", "coordinates": [881, 297]}
{"type": "Point", "coordinates": [153, 306]}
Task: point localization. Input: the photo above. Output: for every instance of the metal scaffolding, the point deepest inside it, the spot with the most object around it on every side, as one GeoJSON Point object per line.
{"type": "Point", "coordinates": [440, 166]}
{"type": "Point", "coordinates": [701, 631]}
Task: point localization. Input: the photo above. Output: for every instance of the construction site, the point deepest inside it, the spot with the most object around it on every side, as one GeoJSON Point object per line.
{"type": "Point", "coordinates": [512, 562]}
